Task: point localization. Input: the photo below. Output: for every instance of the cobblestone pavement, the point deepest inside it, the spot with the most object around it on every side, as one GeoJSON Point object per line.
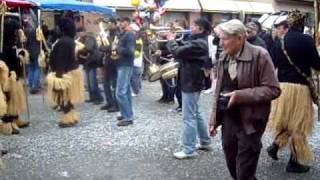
{"type": "Point", "coordinates": [98, 149]}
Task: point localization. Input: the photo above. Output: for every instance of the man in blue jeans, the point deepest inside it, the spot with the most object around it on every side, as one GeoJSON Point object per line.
{"type": "Point", "coordinates": [193, 55]}
{"type": "Point", "coordinates": [33, 47]}
{"type": "Point", "coordinates": [125, 50]}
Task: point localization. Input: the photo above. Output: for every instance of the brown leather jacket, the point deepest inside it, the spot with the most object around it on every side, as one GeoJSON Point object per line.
{"type": "Point", "coordinates": [257, 87]}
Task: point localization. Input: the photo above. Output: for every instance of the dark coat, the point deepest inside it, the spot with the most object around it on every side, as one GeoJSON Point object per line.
{"type": "Point", "coordinates": [257, 41]}
{"type": "Point", "coordinates": [257, 87]}
{"type": "Point", "coordinates": [193, 56]}
{"type": "Point", "coordinates": [62, 57]}
{"type": "Point", "coordinates": [302, 51]}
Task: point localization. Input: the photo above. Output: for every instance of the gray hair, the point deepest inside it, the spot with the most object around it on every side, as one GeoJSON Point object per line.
{"type": "Point", "coordinates": [232, 27]}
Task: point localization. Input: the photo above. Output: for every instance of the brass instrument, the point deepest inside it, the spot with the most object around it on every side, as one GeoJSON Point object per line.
{"type": "Point", "coordinates": [114, 53]}
{"type": "Point", "coordinates": [103, 36]}
{"type": "Point", "coordinates": [180, 33]}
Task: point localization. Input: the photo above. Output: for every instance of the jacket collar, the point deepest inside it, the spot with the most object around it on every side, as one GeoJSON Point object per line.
{"type": "Point", "coordinates": [244, 55]}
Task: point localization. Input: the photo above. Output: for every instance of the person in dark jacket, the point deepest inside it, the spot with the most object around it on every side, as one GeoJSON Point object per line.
{"type": "Point", "coordinates": [246, 85]}
{"type": "Point", "coordinates": [91, 61]}
{"type": "Point", "coordinates": [252, 35]}
{"type": "Point", "coordinates": [110, 69]}
{"type": "Point", "coordinates": [125, 50]}
{"type": "Point", "coordinates": [264, 35]}
{"type": "Point", "coordinates": [33, 47]}
{"type": "Point", "coordinates": [65, 82]}
{"type": "Point", "coordinates": [193, 55]}
{"type": "Point", "coordinates": [291, 117]}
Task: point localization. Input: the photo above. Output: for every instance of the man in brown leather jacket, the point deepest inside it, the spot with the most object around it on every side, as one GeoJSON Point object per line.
{"type": "Point", "coordinates": [246, 85]}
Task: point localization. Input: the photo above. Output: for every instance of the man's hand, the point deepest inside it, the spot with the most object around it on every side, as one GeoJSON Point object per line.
{"type": "Point", "coordinates": [170, 36]}
{"type": "Point", "coordinates": [212, 131]}
{"type": "Point", "coordinates": [232, 98]}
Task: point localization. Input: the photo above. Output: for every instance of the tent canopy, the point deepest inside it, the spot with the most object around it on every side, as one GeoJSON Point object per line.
{"type": "Point", "coordinates": [18, 3]}
{"type": "Point", "coordinates": [74, 5]}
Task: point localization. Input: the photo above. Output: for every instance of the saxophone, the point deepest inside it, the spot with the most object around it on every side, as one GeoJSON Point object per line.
{"type": "Point", "coordinates": [114, 53]}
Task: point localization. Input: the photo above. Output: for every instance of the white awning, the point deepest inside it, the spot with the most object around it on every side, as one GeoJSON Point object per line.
{"type": "Point", "coordinates": [121, 4]}
{"type": "Point", "coordinates": [259, 7]}
{"type": "Point", "coordinates": [170, 5]}
{"type": "Point", "coordinates": [182, 5]}
{"type": "Point", "coordinates": [219, 6]}
{"type": "Point", "coordinates": [236, 6]}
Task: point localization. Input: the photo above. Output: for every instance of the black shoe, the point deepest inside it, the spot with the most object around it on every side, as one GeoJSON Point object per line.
{"type": "Point", "coordinates": [88, 101]}
{"type": "Point", "coordinates": [113, 109]}
{"type": "Point", "coordinates": [34, 91]}
{"type": "Point", "coordinates": [119, 118]}
{"type": "Point", "coordinates": [3, 152]}
{"type": "Point", "coordinates": [105, 107]}
{"type": "Point", "coordinates": [169, 101]}
{"type": "Point", "coordinates": [273, 151]}
{"type": "Point", "coordinates": [161, 100]}
{"type": "Point", "coordinates": [295, 167]}
{"type": "Point", "coordinates": [124, 123]}
{"type": "Point", "coordinates": [97, 102]}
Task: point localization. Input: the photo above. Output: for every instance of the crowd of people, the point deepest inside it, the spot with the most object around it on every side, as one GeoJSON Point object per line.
{"type": "Point", "coordinates": [258, 76]}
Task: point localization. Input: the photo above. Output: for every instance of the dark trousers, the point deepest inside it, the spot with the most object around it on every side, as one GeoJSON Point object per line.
{"type": "Point", "coordinates": [109, 86]}
{"type": "Point", "coordinates": [168, 89]}
{"type": "Point", "coordinates": [178, 93]}
{"type": "Point", "coordinates": [241, 150]}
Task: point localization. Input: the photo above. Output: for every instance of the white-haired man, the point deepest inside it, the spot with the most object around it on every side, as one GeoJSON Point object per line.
{"type": "Point", "coordinates": [246, 85]}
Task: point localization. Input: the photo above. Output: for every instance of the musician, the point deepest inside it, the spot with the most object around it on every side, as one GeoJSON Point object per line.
{"type": "Point", "coordinates": [92, 59]}
{"type": "Point", "coordinates": [125, 50]}
{"type": "Point", "coordinates": [12, 89]}
{"type": "Point", "coordinates": [193, 55]}
{"type": "Point", "coordinates": [65, 83]}
{"type": "Point", "coordinates": [110, 69]}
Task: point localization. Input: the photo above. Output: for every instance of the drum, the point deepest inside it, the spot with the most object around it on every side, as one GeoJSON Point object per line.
{"type": "Point", "coordinates": [169, 70]}
{"type": "Point", "coordinates": [170, 74]}
{"type": "Point", "coordinates": [154, 72]}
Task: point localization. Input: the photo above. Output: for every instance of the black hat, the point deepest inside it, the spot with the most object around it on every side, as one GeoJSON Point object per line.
{"type": "Point", "coordinates": [204, 24]}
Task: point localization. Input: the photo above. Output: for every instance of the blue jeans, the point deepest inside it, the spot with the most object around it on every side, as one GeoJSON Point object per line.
{"type": "Point", "coordinates": [92, 83]}
{"type": "Point", "coordinates": [136, 79]}
{"type": "Point", "coordinates": [34, 75]}
{"type": "Point", "coordinates": [193, 124]}
{"type": "Point", "coordinates": [123, 91]}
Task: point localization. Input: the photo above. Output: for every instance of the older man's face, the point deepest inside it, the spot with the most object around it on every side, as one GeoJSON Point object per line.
{"type": "Point", "coordinates": [231, 43]}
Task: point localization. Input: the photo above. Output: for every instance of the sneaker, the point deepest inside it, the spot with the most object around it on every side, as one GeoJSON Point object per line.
{"type": "Point", "coordinates": [124, 123]}
{"type": "Point", "coordinates": [183, 155]}
{"type": "Point", "coordinates": [178, 109]}
{"type": "Point", "coordinates": [208, 91]}
{"type": "Point", "coordinates": [203, 147]}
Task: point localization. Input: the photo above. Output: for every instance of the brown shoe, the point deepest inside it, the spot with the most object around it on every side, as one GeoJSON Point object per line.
{"type": "Point", "coordinates": [21, 123]}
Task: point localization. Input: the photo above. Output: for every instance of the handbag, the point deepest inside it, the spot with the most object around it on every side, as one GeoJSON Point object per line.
{"type": "Point", "coordinates": [313, 79]}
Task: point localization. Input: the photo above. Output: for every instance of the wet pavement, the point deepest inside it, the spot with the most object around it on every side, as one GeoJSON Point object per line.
{"type": "Point", "coordinates": [97, 149]}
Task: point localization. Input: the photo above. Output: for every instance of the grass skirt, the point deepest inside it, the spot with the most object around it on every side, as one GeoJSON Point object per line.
{"type": "Point", "coordinates": [16, 103]}
{"type": "Point", "coordinates": [291, 118]}
{"type": "Point", "coordinates": [69, 88]}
